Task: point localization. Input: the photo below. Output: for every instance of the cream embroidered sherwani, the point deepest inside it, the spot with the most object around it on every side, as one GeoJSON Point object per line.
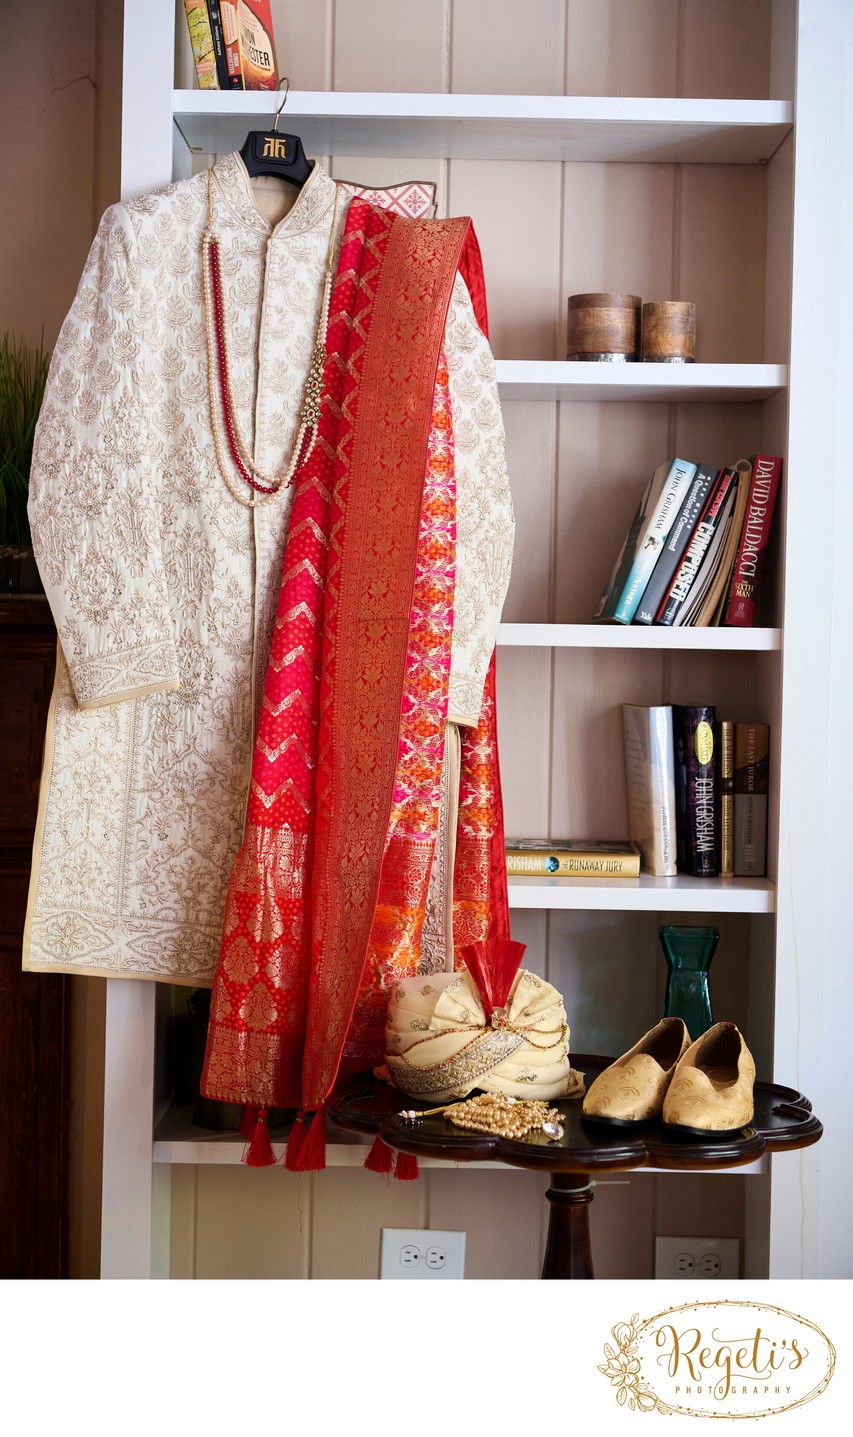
{"type": "Point", "coordinates": [164, 587]}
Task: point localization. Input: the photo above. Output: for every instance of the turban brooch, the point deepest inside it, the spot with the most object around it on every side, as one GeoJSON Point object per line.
{"type": "Point", "coordinates": [490, 1025]}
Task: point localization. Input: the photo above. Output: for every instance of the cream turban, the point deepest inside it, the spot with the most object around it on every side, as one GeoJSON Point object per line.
{"type": "Point", "coordinates": [438, 1043]}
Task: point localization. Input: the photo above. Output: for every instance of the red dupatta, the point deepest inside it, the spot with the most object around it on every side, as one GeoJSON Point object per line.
{"type": "Point", "coordinates": [327, 894]}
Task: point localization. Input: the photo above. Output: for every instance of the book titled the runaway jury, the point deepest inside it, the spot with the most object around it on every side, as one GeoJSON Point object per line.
{"type": "Point", "coordinates": [572, 858]}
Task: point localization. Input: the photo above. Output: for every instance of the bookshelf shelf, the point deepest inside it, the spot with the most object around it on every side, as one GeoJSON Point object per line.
{"type": "Point", "coordinates": [496, 127]}
{"type": "Point", "coordinates": [646, 894]}
{"type": "Point", "coordinates": [178, 1140]}
{"type": "Point", "coordinates": [637, 636]}
{"type": "Point", "coordinates": [575, 380]}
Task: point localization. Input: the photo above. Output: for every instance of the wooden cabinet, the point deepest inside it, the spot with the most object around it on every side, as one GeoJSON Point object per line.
{"type": "Point", "coordinates": [33, 1009]}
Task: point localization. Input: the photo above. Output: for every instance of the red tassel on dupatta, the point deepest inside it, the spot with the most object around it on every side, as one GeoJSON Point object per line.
{"type": "Point", "coordinates": [406, 1168]}
{"type": "Point", "coordinates": [380, 1159]}
{"type": "Point", "coordinates": [259, 1151]}
{"type": "Point", "coordinates": [306, 1146]}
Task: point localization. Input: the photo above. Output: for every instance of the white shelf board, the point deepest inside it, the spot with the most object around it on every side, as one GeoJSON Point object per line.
{"type": "Point", "coordinates": [646, 894]}
{"type": "Point", "coordinates": [582, 381]}
{"type": "Point", "coordinates": [637, 636]}
{"type": "Point", "coordinates": [177, 1140]}
{"type": "Point", "coordinates": [493, 127]}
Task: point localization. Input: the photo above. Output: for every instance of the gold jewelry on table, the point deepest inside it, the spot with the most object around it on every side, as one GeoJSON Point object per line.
{"type": "Point", "coordinates": [219, 368]}
{"type": "Point", "coordinates": [496, 1113]}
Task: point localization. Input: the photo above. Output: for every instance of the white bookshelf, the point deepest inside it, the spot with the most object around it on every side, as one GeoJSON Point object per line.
{"type": "Point", "coordinates": [581, 382]}
{"type": "Point", "coordinates": [639, 637]}
{"type": "Point", "coordinates": [497, 127]}
{"type": "Point", "coordinates": [788, 919]}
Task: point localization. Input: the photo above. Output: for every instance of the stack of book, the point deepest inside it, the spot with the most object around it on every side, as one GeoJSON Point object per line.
{"type": "Point", "coordinates": [694, 552]}
{"type": "Point", "coordinates": [232, 44]}
{"type": "Point", "coordinates": [697, 791]}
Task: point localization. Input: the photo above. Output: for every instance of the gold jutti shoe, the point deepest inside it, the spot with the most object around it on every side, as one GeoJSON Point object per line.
{"type": "Point", "coordinates": [711, 1089]}
{"type": "Point", "coordinates": [633, 1088]}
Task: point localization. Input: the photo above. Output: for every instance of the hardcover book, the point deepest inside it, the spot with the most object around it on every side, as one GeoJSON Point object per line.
{"type": "Point", "coordinates": [764, 486]}
{"type": "Point", "coordinates": [609, 600]}
{"type": "Point", "coordinates": [752, 767]}
{"type": "Point", "coordinates": [650, 778]}
{"type": "Point", "coordinates": [696, 549]}
{"type": "Point", "coordinates": [695, 789]}
{"type": "Point", "coordinates": [673, 550]}
{"type": "Point", "coordinates": [726, 757]}
{"type": "Point", "coordinates": [257, 46]}
{"type": "Point", "coordinates": [653, 535]}
{"type": "Point", "coordinates": [715, 604]}
{"type": "Point", "coordinates": [571, 858]}
{"type": "Point", "coordinates": [201, 40]}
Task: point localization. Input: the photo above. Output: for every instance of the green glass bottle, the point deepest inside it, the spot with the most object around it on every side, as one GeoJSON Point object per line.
{"type": "Point", "coordinates": [688, 952]}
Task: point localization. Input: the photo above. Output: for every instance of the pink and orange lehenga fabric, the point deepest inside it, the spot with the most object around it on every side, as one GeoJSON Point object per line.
{"type": "Point", "coordinates": [328, 892]}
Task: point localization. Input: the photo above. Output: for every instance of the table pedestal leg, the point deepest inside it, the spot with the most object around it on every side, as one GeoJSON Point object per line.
{"type": "Point", "coordinates": [569, 1253]}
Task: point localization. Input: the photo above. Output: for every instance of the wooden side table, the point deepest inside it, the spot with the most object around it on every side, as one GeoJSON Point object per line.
{"type": "Point", "coordinates": [783, 1121]}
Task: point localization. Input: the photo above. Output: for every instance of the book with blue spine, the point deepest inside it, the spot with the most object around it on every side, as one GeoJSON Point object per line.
{"type": "Point", "coordinates": [661, 516]}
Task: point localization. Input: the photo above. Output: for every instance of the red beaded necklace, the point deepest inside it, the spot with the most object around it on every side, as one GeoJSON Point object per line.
{"type": "Point", "coordinates": [222, 408]}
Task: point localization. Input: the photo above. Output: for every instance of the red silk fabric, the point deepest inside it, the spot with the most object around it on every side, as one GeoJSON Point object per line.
{"type": "Point", "coordinates": [327, 894]}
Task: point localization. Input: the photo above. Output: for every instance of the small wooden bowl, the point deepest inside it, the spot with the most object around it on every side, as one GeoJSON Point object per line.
{"type": "Point", "coordinates": [669, 332]}
{"type": "Point", "coordinates": [604, 327]}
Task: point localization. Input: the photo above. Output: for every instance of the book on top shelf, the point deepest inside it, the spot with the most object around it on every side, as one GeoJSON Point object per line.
{"type": "Point", "coordinates": [257, 45]}
{"type": "Point", "coordinates": [571, 858]}
{"type": "Point", "coordinates": [673, 550]}
{"type": "Point", "coordinates": [763, 489]}
{"type": "Point", "coordinates": [650, 779]}
{"type": "Point", "coordinates": [696, 549]}
{"type": "Point", "coordinates": [231, 35]}
{"type": "Point", "coordinates": [201, 42]}
{"type": "Point", "coordinates": [696, 793]}
{"type": "Point", "coordinates": [218, 35]}
{"type": "Point", "coordinates": [654, 532]}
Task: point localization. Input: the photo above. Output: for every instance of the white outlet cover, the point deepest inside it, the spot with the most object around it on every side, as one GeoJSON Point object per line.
{"type": "Point", "coordinates": [421, 1254]}
{"type": "Point", "coordinates": [706, 1259]}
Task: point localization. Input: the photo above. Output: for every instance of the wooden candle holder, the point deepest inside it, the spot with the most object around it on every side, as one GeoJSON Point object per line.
{"type": "Point", "coordinates": [669, 332]}
{"type": "Point", "coordinates": [604, 327]}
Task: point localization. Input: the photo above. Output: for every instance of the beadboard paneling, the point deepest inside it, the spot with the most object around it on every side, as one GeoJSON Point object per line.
{"type": "Point", "coordinates": [390, 45]}
{"type": "Point", "coordinates": [725, 49]}
{"type": "Point", "coordinates": [528, 61]}
{"type": "Point", "coordinates": [609, 52]}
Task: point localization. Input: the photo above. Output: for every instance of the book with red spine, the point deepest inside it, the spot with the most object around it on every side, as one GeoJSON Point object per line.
{"type": "Point", "coordinates": [764, 486]}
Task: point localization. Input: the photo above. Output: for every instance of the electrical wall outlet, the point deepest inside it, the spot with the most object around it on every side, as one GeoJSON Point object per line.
{"type": "Point", "coordinates": [697, 1257]}
{"type": "Point", "coordinates": [412, 1252]}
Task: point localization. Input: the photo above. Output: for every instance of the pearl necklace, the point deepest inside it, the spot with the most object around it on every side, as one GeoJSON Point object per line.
{"type": "Point", "coordinates": [219, 367]}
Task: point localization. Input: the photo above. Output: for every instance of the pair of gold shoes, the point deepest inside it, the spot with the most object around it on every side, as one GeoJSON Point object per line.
{"type": "Point", "coordinates": [700, 1088]}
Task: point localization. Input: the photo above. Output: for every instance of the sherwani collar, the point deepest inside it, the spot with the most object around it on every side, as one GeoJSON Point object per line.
{"type": "Point", "coordinates": [313, 201]}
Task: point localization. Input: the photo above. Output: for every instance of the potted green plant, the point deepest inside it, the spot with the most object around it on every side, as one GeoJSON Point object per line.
{"type": "Point", "coordinates": [23, 373]}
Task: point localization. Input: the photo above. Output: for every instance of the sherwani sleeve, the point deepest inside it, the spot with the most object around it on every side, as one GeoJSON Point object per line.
{"type": "Point", "coordinates": [485, 526]}
{"type": "Point", "coordinates": [93, 510]}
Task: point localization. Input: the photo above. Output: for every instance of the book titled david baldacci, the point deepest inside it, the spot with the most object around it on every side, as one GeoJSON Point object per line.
{"type": "Point", "coordinates": [571, 858]}
{"type": "Point", "coordinates": [764, 486]}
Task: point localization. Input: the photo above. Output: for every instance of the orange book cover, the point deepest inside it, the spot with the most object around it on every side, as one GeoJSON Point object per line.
{"type": "Point", "coordinates": [257, 45]}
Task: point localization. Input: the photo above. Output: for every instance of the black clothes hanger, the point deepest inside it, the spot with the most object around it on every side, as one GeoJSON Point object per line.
{"type": "Point", "coordinates": [266, 152]}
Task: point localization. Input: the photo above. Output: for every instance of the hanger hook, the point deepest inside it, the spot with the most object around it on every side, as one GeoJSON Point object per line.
{"type": "Point", "coordinates": [283, 81]}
